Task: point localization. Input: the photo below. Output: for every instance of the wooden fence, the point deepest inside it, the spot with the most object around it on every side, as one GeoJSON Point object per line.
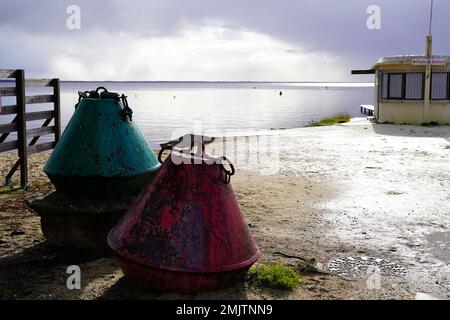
{"type": "Point", "coordinates": [19, 123]}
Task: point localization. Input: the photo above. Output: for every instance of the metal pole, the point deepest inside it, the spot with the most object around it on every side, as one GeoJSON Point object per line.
{"type": "Point", "coordinates": [431, 18]}
{"type": "Point", "coordinates": [428, 69]}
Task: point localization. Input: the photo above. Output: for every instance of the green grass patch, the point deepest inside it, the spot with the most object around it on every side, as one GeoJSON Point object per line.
{"type": "Point", "coordinates": [10, 189]}
{"type": "Point", "coordinates": [309, 265]}
{"type": "Point", "coordinates": [276, 276]}
{"type": "Point", "coordinates": [329, 121]}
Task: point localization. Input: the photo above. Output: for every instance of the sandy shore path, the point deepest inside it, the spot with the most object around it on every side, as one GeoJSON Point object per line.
{"type": "Point", "coordinates": [374, 190]}
{"type": "Point", "coordinates": [357, 189]}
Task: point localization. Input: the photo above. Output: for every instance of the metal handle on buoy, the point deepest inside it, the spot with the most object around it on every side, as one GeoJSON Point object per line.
{"type": "Point", "coordinates": [228, 173]}
{"type": "Point", "coordinates": [171, 145]}
{"type": "Point", "coordinates": [81, 95]}
{"type": "Point", "coordinates": [164, 147]}
{"type": "Point", "coordinates": [105, 94]}
{"type": "Point", "coordinates": [126, 111]}
{"type": "Point", "coordinates": [101, 88]}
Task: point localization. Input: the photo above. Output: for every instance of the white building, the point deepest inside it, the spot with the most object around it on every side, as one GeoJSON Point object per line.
{"type": "Point", "coordinates": [412, 89]}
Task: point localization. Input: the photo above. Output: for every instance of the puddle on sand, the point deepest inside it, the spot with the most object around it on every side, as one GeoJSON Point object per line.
{"type": "Point", "coordinates": [362, 267]}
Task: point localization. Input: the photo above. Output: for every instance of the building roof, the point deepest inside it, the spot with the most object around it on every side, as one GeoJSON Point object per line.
{"type": "Point", "coordinates": [407, 59]}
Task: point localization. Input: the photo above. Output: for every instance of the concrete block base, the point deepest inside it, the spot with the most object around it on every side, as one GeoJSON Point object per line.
{"type": "Point", "coordinates": [78, 223]}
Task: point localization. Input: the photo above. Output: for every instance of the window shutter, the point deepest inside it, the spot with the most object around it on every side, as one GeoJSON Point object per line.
{"type": "Point", "coordinates": [395, 85]}
{"type": "Point", "coordinates": [439, 86]}
{"type": "Point", "coordinates": [414, 86]}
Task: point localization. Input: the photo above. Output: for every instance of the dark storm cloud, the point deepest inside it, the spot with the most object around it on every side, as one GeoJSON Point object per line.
{"type": "Point", "coordinates": [334, 26]}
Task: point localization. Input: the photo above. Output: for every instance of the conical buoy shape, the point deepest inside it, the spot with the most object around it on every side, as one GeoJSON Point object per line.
{"type": "Point", "coordinates": [102, 153]}
{"type": "Point", "coordinates": [185, 232]}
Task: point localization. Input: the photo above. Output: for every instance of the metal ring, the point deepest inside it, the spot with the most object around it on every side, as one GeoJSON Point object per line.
{"type": "Point", "coordinates": [164, 148]}
{"type": "Point", "coordinates": [99, 88]}
{"type": "Point", "coordinates": [81, 95]}
{"type": "Point", "coordinates": [233, 171]}
{"type": "Point", "coordinates": [228, 173]}
{"type": "Point", "coordinates": [124, 100]}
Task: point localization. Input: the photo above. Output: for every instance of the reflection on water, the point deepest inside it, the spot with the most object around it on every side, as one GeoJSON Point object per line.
{"type": "Point", "coordinates": [161, 109]}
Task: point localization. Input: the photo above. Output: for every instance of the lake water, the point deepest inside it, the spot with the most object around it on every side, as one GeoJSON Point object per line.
{"type": "Point", "coordinates": [164, 109]}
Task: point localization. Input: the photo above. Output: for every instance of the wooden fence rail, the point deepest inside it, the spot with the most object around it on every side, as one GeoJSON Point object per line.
{"type": "Point", "coordinates": [21, 116]}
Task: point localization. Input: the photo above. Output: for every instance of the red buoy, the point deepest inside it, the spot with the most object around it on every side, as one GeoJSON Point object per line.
{"type": "Point", "coordinates": [186, 231]}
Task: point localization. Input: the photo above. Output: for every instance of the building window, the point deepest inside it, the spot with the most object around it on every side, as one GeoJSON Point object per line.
{"type": "Point", "coordinates": [395, 86]}
{"type": "Point", "coordinates": [410, 86]}
{"type": "Point", "coordinates": [439, 86]}
{"type": "Point", "coordinates": [414, 86]}
{"type": "Point", "coordinates": [402, 86]}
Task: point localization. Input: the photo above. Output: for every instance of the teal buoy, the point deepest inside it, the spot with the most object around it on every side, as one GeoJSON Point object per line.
{"type": "Point", "coordinates": [102, 153]}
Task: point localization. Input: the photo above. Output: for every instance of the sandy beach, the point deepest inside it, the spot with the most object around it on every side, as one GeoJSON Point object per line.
{"type": "Point", "coordinates": [356, 189]}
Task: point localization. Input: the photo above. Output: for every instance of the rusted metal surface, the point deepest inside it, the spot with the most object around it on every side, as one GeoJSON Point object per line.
{"type": "Point", "coordinates": [163, 280]}
{"type": "Point", "coordinates": [186, 231]}
{"type": "Point", "coordinates": [102, 153]}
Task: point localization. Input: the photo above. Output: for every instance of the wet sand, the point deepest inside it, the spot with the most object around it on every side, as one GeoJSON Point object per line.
{"type": "Point", "coordinates": [348, 190]}
{"type": "Point", "coordinates": [388, 195]}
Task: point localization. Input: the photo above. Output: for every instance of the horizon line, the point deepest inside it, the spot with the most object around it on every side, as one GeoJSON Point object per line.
{"type": "Point", "coordinates": [211, 81]}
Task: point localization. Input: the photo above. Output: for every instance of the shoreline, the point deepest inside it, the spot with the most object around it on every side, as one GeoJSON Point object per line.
{"type": "Point", "coordinates": [331, 83]}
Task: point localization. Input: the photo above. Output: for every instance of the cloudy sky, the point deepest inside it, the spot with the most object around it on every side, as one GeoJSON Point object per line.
{"type": "Point", "coordinates": [265, 40]}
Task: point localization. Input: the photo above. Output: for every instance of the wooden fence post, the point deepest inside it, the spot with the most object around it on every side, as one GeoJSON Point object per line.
{"type": "Point", "coordinates": [19, 123]}
{"type": "Point", "coordinates": [22, 126]}
{"type": "Point", "coordinates": [57, 109]}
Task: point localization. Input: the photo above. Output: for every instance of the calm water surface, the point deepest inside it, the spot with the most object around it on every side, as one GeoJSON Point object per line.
{"type": "Point", "coordinates": [161, 109]}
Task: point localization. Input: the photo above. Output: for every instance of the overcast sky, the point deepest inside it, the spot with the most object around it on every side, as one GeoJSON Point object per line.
{"type": "Point", "coordinates": [277, 40]}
